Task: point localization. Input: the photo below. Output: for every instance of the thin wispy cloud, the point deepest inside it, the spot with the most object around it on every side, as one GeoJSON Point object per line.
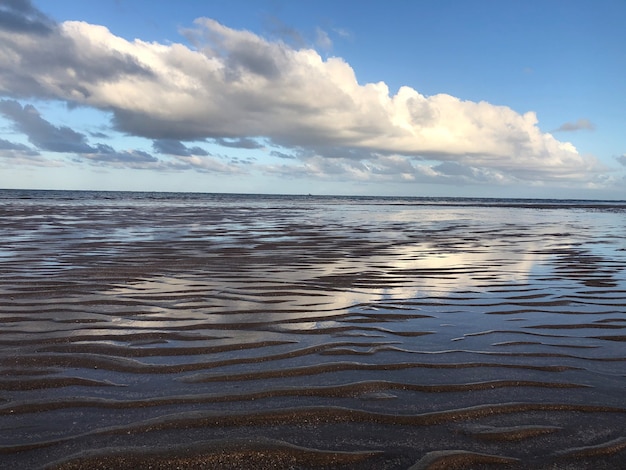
{"type": "Point", "coordinates": [322, 40]}
{"type": "Point", "coordinates": [344, 33]}
{"type": "Point", "coordinates": [579, 125]}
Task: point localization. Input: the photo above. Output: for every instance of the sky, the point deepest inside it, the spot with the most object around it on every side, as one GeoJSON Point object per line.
{"type": "Point", "coordinates": [460, 98]}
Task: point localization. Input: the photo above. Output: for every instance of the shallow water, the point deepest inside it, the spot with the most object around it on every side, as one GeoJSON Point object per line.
{"type": "Point", "coordinates": [249, 331]}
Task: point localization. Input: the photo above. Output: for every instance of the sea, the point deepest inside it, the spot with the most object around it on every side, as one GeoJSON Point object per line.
{"type": "Point", "coordinates": [192, 330]}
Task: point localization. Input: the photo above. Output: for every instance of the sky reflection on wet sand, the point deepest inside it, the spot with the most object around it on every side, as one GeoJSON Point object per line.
{"type": "Point", "coordinates": [118, 314]}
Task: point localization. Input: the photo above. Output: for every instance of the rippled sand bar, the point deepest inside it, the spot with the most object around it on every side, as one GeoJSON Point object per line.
{"type": "Point", "coordinates": [144, 330]}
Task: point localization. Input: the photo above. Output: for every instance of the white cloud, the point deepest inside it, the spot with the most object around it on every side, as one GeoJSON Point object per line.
{"type": "Point", "coordinates": [234, 86]}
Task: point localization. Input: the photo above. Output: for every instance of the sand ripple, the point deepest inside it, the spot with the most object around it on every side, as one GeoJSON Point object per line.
{"type": "Point", "coordinates": [254, 334]}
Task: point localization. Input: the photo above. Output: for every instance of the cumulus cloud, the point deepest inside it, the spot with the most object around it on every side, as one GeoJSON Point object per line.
{"type": "Point", "coordinates": [62, 139]}
{"type": "Point", "coordinates": [43, 61]}
{"type": "Point", "coordinates": [234, 86]}
{"type": "Point", "coordinates": [580, 124]}
{"type": "Point", "coordinates": [22, 16]}
{"type": "Point", "coordinates": [47, 137]}
{"type": "Point", "coordinates": [622, 159]}
{"type": "Point", "coordinates": [40, 132]}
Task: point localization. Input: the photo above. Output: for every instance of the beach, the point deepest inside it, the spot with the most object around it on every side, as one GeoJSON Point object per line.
{"type": "Point", "coordinates": [148, 330]}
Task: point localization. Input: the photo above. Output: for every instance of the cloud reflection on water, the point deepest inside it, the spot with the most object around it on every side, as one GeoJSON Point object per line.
{"type": "Point", "coordinates": [245, 308]}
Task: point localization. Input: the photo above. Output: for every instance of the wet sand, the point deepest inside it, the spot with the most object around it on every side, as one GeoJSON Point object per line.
{"type": "Point", "coordinates": [272, 333]}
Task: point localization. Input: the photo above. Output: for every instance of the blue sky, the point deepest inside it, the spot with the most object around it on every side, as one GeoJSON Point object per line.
{"type": "Point", "coordinates": [419, 98]}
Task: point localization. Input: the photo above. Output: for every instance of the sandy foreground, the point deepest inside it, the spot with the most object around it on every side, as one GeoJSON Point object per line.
{"type": "Point", "coordinates": [295, 335]}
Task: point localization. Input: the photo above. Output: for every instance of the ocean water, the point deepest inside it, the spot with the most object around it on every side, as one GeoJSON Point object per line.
{"type": "Point", "coordinates": [311, 331]}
